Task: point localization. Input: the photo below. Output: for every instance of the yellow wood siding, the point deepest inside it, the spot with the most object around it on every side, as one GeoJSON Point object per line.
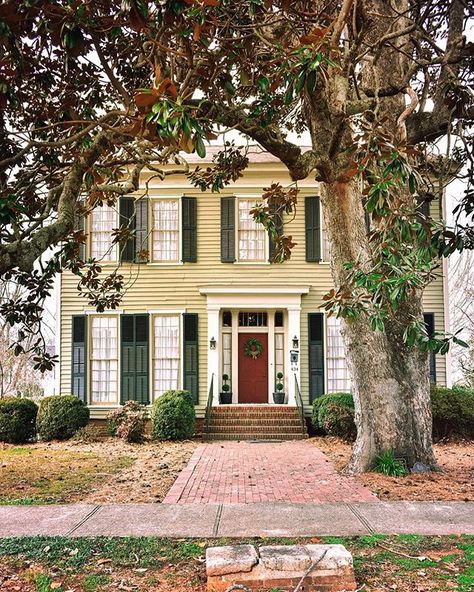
{"type": "Point", "coordinates": [176, 286]}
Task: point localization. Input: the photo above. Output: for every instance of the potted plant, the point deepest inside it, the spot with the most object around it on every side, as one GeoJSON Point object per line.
{"type": "Point", "coordinates": [279, 394]}
{"type": "Point", "coordinates": [226, 394]}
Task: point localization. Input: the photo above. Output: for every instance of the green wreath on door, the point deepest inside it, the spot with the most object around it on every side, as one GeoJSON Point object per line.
{"type": "Point", "coordinates": [253, 348]}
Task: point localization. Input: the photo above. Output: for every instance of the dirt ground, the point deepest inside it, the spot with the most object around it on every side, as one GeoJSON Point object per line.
{"type": "Point", "coordinates": [454, 483]}
{"type": "Point", "coordinates": [92, 472]}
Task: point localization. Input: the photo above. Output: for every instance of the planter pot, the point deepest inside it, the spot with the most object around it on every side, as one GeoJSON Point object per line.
{"type": "Point", "coordinates": [279, 398]}
{"type": "Point", "coordinates": [225, 398]}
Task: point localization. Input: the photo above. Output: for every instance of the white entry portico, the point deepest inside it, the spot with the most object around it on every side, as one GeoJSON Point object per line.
{"type": "Point", "coordinates": [270, 300]}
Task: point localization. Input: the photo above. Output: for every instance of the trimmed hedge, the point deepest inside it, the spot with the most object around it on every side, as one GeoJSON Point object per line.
{"type": "Point", "coordinates": [334, 415]}
{"type": "Point", "coordinates": [453, 411]}
{"type": "Point", "coordinates": [59, 417]}
{"type": "Point", "coordinates": [173, 416]}
{"type": "Point", "coordinates": [17, 420]}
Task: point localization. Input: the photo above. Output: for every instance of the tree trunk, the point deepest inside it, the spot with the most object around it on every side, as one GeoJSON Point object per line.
{"type": "Point", "coordinates": [390, 379]}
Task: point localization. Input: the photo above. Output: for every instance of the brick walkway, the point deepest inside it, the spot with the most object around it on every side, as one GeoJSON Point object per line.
{"type": "Point", "coordinates": [244, 472]}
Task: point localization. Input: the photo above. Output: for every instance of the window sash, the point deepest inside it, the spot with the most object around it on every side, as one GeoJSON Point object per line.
{"type": "Point", "coordinates": [251, 236]}
{"type": "Point", "coordinates": [166, 354]}
{"type": "Point", "coordinates": [103, 220]}
{"type": "Point", "coordinates": [104, 359]}
{"type": "Point", "coordinates": [227, 355]}
{"type": "Point", "coordinates": [338, 376]}
{"type": "Point", "coordinates": [165, 233]}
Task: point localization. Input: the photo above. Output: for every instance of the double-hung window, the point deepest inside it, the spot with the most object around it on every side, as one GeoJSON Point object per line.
{"type": "Point", "coordinates": [103, 220]}
{"type": "Point", "coordinates": [104, 359]}
{"type": "Point", "coordinates": [252, 237]}
{"type": "Point", "coordinates": [166, 354]}
{"type": "Point", "coordinates": [165, 232]}
{"type": "Point", "coordinates": [339, 379]}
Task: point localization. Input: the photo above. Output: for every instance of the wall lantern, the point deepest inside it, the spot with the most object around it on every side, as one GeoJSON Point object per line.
{"type": "Point", "coordinates": [296, 342]}
{"type": "Point", "coordinates": [212, 343]}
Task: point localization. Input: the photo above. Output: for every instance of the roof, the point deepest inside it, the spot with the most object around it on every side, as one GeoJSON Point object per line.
{"type": "Point", "coordinates": [256, 154]}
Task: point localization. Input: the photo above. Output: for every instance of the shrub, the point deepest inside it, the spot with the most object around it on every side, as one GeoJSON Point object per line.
{"type": "Point", "coordinates": [60, 417]}
{"type": "Point", "coordinates": [453, 411]}
{"type": "Point", "coordinates": [17, 420]}
{"type": "Point", "coordinates": [334, 415]}
{"type": "Point", "coordinates": [387, 464]}
{"type": "Point", "coordinates": [173, 416]}
{"type": "Point", "coordinates": [128, 422]}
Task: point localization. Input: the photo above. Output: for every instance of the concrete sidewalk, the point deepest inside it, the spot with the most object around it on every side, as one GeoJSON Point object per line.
{"type": "Point", "coordinates": [239, 520]}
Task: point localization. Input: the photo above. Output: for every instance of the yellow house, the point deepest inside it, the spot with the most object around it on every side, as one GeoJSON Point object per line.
{"type": "Point", "coordinates": [208, 302]}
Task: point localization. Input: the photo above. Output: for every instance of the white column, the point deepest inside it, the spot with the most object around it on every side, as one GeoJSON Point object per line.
{"type": "Point", "coordinates": [271, 354]}
{"type": "Point", "coordinates": [235, 356]}
{"type": "Point", "coordinates": [294, 313]}
{"type": "Point", "coordinates": [213, 354]}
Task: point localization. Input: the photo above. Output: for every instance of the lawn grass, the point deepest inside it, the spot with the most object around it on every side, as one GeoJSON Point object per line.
{"type": "Point", "coordinates": [402, 563]}
{"type": "Point", "coordinates": [49, 476]}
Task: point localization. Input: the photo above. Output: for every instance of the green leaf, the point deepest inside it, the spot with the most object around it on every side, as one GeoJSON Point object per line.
{"type": "Point", "coordinates": [199, 144]}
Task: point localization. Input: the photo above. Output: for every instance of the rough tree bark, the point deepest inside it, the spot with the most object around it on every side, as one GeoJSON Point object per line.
{"type": "Point", "coordinates": [390, 379]}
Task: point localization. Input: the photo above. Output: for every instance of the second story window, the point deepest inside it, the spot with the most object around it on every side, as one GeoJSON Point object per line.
{"type": "Point", "coordinates": [165, 235]}
{"type": "Point", "coordinates": [252, 237]}
{"type": "Point", "coordinates": [103, 221]}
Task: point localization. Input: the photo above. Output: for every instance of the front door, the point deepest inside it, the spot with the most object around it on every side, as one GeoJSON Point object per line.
{"type": "Point", "coordinates": [253, 368]}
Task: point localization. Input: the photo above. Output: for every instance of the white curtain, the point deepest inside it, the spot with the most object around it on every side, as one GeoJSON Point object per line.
{"type": "Point", "coordinates": [165, 230]}
{"type": "Point", "coordinates": [103, 221]}
{"type": "Point", "coordinates": [104, 360]}
{"type": "Point", "coordinates": [252, 235]}
{"type": "Point", "coordinates": [166, 354]}
{"type": "Point", "coordinates": [279, 354]}
{"type": "Point", "coordinates": [227, 354]}
{"type": "Point", "coordinates": [339, 379]}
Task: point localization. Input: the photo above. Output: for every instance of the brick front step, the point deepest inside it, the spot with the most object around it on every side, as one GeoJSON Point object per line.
{"type": "Point", "coordinates": [255, 422]}
{"type": "Point", "coordinates": [255, 436]}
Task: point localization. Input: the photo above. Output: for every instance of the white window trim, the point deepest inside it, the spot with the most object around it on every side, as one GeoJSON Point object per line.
{"type": "Point", "coordinates": [238, 261]}
{"type": "Point", "coordinates": [89, 231]}
{"type": "Point", "coordinates": [165, 313]}
{"type": "Point", "coordinates": [111, 404]}
{"type": "Point", "coordinates": [151, 229]}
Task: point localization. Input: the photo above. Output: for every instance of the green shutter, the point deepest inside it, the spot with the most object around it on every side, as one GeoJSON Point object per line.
{"type": "Point", "coordinates": [312, 211]}
{"type": "Point", "coordinates": [191, 355]}
{"type": "Point", "coordinates": [127, 219]}
{"type": "Point", "coordinates": [227, 229]}
{"type": "Point", "coordinates": [141, 229]}
{"type": "Point", "coordinates": [79, 357]}
{"type": "Point", "coordinates": [134, 359]}
{"type": "Point", "coordinates": [429, 319]}
{"type": "Point", "coordinates": [80, 224]}
{"type": "Point", "coordinates": [277, 219]}
{"type": "Point", "coordinates": [316, 355]}
{"type": "Point", "coordinates": [189, 229]}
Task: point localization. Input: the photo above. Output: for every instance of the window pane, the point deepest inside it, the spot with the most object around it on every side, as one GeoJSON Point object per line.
{"type": "Point", "coordinates": [279, 354]}
{"type": "Point", "coordinates": [338, 373]}
{"type": "Point", "coordinates": [252, 235]}
{"type": "Point", "coordinates": [227, 318]}
{"type": "Point", "coordinates": [253, 319]}
{"type": "Point", "coordinates": [103, 221]}
{"type": "Point", "coordinates": [278, 319]}
{"type": "Point", "coordinates": [227, 355]}
{"type": "Point", "coordinates": [165, 230]}
{"type": "Point", "coordinates": [104, 356]}
{"type": "Point", "coordinates": [166, 354]}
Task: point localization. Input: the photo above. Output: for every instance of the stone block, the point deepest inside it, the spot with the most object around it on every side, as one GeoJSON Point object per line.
{"type": "Point", "coordinates": [285, 558]}
{"type": "Point", "coordinates": [230, 560]}
{"type": "Point", "coordinates": [329, 556]}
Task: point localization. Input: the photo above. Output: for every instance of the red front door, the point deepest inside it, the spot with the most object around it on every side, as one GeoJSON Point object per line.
{"type": "Point", "coordinates": [253, 370]}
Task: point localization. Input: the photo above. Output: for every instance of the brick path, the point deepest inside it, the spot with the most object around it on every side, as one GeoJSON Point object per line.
{"type": "Point", "coordinates": [244, 472]}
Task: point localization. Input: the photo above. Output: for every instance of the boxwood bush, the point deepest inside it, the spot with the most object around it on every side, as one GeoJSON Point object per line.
{"type": "Point", "coordinates": [59, 417]}
{"type": "Point", "coordinates": [333, 414]}
{"type": "Point", "coordinates": [453, 411]}
{"type": "Point", "coordinates": [173, 416]}
{"type": "Point", "coordinates": [17, 420]}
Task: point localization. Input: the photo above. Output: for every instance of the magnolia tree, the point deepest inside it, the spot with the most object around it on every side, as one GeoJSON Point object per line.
{"type": "Point", "coordinates": [93, 93]}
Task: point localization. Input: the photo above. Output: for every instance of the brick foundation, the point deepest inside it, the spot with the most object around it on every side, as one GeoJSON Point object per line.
{"type": "Point", "coordinates": [328, 568]}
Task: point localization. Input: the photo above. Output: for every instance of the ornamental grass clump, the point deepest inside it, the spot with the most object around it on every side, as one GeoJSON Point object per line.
{"type": "Point", "coordinates": [387, 464]}
{"type": "Point", "coordinates": [173, 416]}
{"type": "Point", "coordinates": [128, 422]}
{"type": "Point", "coordinates": [17, 420]}
{"type": "Point", "coordinates": [59, 417]}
